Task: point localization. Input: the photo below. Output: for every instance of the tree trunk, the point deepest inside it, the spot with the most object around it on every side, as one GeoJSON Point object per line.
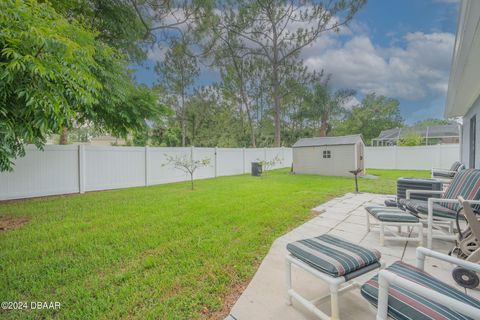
{"type": "Point", "coordinates": [252, 131]}
{"type": "Point", "coordinates": [193, 130]}
{"type": "Point", "coordinates": [191, 180]}
{"type": "Point", "coordinates": [63, 136]}
{"type": "Point", "coordinates": [276, 85]}
{"type": "Point", "coordinates": [324, 125]}
{"type": "Point", "coordinates": [276, 105]}
{"type": "Point", "coordinates": [183, 122]}
{"type": "Point", "coordinates": [249, 116]}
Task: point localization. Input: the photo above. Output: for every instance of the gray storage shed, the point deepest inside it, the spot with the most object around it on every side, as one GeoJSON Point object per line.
{"type": "Point", "coordinates": [329, 156]}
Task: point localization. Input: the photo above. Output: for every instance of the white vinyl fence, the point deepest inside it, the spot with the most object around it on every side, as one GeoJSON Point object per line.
{"type": "Point", "coordinates": [413, 158]}
{"type": "Point", "coordinates": [81, 168]}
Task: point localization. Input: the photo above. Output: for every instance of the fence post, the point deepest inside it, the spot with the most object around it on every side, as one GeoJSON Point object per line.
{"type": "Point", "coordinates": [265, 154]}
{"type": "Point", "coordinates": [81, 168]}
{"type": "Point", "coordinates": [439, 157]}
{"type": "Point", "coordinates": [216, 162]}
{"type": "Point", "coordinates": [147, 165]}
{"type": "Point", "coordinates": [396, 156]}
{"type": "Point", "coordinates": [283, 156]}
{"type": "Point", "coordinates": [244, 160]}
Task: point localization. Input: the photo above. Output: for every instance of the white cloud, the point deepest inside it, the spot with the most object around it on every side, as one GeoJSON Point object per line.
{"type": "Point", "coordinates": [352, 102]}
{"type": "Point", "coordinates": [156, 52]}
{"type": "Point", "coordinates": [415, 71]}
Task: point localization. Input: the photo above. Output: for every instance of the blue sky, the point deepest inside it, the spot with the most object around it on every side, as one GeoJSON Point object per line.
{"type": "Point", "coordinates": [399, 48]}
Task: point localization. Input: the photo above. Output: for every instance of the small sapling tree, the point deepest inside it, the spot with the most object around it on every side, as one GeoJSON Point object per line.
{"type": "Point", "coordinates": [187, 164]}
{"type": "Point", "coordinates": [269, 164]}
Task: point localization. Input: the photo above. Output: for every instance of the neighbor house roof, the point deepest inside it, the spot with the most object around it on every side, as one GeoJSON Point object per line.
{"type": "Point", "coordinates": [436, 131]}
{"type": "Point", "coordinates": [328, 141]}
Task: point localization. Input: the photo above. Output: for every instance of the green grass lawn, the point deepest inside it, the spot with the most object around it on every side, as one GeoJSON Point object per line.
{"type": "Point", "coordinates": [161, 252]}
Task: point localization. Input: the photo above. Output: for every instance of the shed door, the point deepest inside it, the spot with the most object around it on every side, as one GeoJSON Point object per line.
{"type": "Point", "coordinates": [360, 155]}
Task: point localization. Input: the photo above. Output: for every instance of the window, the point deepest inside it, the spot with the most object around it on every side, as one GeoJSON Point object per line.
{"type": "Point", "coordinates": [327, 154]}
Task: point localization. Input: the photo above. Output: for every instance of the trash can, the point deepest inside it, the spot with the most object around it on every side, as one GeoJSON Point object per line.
{"type": "Point", "coordinates": [257, 169]}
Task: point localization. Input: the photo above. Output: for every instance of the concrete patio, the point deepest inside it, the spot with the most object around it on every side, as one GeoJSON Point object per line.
{"type": "Point", "coordinates": [265, 296]}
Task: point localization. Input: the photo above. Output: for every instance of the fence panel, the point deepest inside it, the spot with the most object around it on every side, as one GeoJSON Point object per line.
{"type": "Point", "coordinates": [412, 158]}
{"type": "Point", "coordinates": [205, 153]}
{"type": "Point", "coordinates": [273, 153]}
{"type": "Point", "coordinates": [448, 154]}
{"type": "Point", "coordinates": [229, 161]}
{"type": "Point", "coordinates": [287, 157]}
{"type": "Point", "coordinates": [114, 167]}
{"type": "Point", "coordinates": [42, 173]}
{"type": "Point", "coordinates": [71, 169]}
{"type": "Point", "coordinates": [160, 171]}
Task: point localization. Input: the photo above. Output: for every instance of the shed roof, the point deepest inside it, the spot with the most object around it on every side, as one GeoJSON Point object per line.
{"type": "Point", "coordinates": [328, 141]}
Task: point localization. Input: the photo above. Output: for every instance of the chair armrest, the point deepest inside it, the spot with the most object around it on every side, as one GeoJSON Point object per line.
{"type": "Point", "coordinates": [432, 200]}
{"type": "Point", "coordinates": [430, 192]}
{"type": "Point", "coordinates": [423, 252]}
{"type": "Point", "coordinates": [387, 278]}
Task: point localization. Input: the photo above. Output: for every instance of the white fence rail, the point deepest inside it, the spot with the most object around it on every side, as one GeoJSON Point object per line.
{"type": "Point", "coordinates": [414, 158]}
{"type": "Point", "coordinates": [81, 168]}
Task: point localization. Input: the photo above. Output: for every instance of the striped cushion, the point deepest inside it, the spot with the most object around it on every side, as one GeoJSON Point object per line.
{"type": "Point", "coordinates": [403, 304]}
{"type": "Point", "coordinates": [333, 255]}
{"type": "Point", "coordinates": [421, 206]}
{"type": "Point", "coordinates": [466, 183]}
{"type": "Point", "coordinates": [457, 166]}
{"type": "Point", "coordinates": [389, 214]}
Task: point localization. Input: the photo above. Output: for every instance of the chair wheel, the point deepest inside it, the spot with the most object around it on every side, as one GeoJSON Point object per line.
{"type": "Point", "coordinates": [465, 278]}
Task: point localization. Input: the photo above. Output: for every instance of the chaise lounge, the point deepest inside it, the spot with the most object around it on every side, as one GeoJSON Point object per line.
{"type": "Point", "coordinates": [401, 291]}
{"type": "Point", "coordinates": [447, 174]}
{"type": "Point", "coordinates": [441, 213]}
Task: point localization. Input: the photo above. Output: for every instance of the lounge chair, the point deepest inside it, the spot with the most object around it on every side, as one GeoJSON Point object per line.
{"type": "Point", "coordinates": [402, 291]}
{"type": "Point", "coordinates": [447, 174]}
{"type": "Point", "coordinates": [440, 213]}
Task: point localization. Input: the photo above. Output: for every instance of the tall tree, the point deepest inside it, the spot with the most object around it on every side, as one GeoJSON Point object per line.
{"type": "Point", "coordinates": [116, 22]}
{"type": "Point", "coordinates": [376, 113]}
{"type": "Point", "coordinates": [132, 26]}
{"type": "Point", "coordinates": [213, 120]}
{"type": "Point", "coordinates": [278, 30]}
{"type": "Point", "coordinates": [54, 72]}
{"type": "Point", "coordinates": [178, 71]}
{"type": "Point", "coordinates": [321, 105]}
{"type": "Point", "coordinates": [240, 74]}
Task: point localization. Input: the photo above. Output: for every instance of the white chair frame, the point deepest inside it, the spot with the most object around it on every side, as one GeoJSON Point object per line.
{"type": "Point", "coordinates": [387, 278]}
{"type": "Point", "coordinates": [395, 235]}
{"type": "Point", "coordinates": [337, 285]}
{"type": "Point", "coordinates": [432, 222]}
